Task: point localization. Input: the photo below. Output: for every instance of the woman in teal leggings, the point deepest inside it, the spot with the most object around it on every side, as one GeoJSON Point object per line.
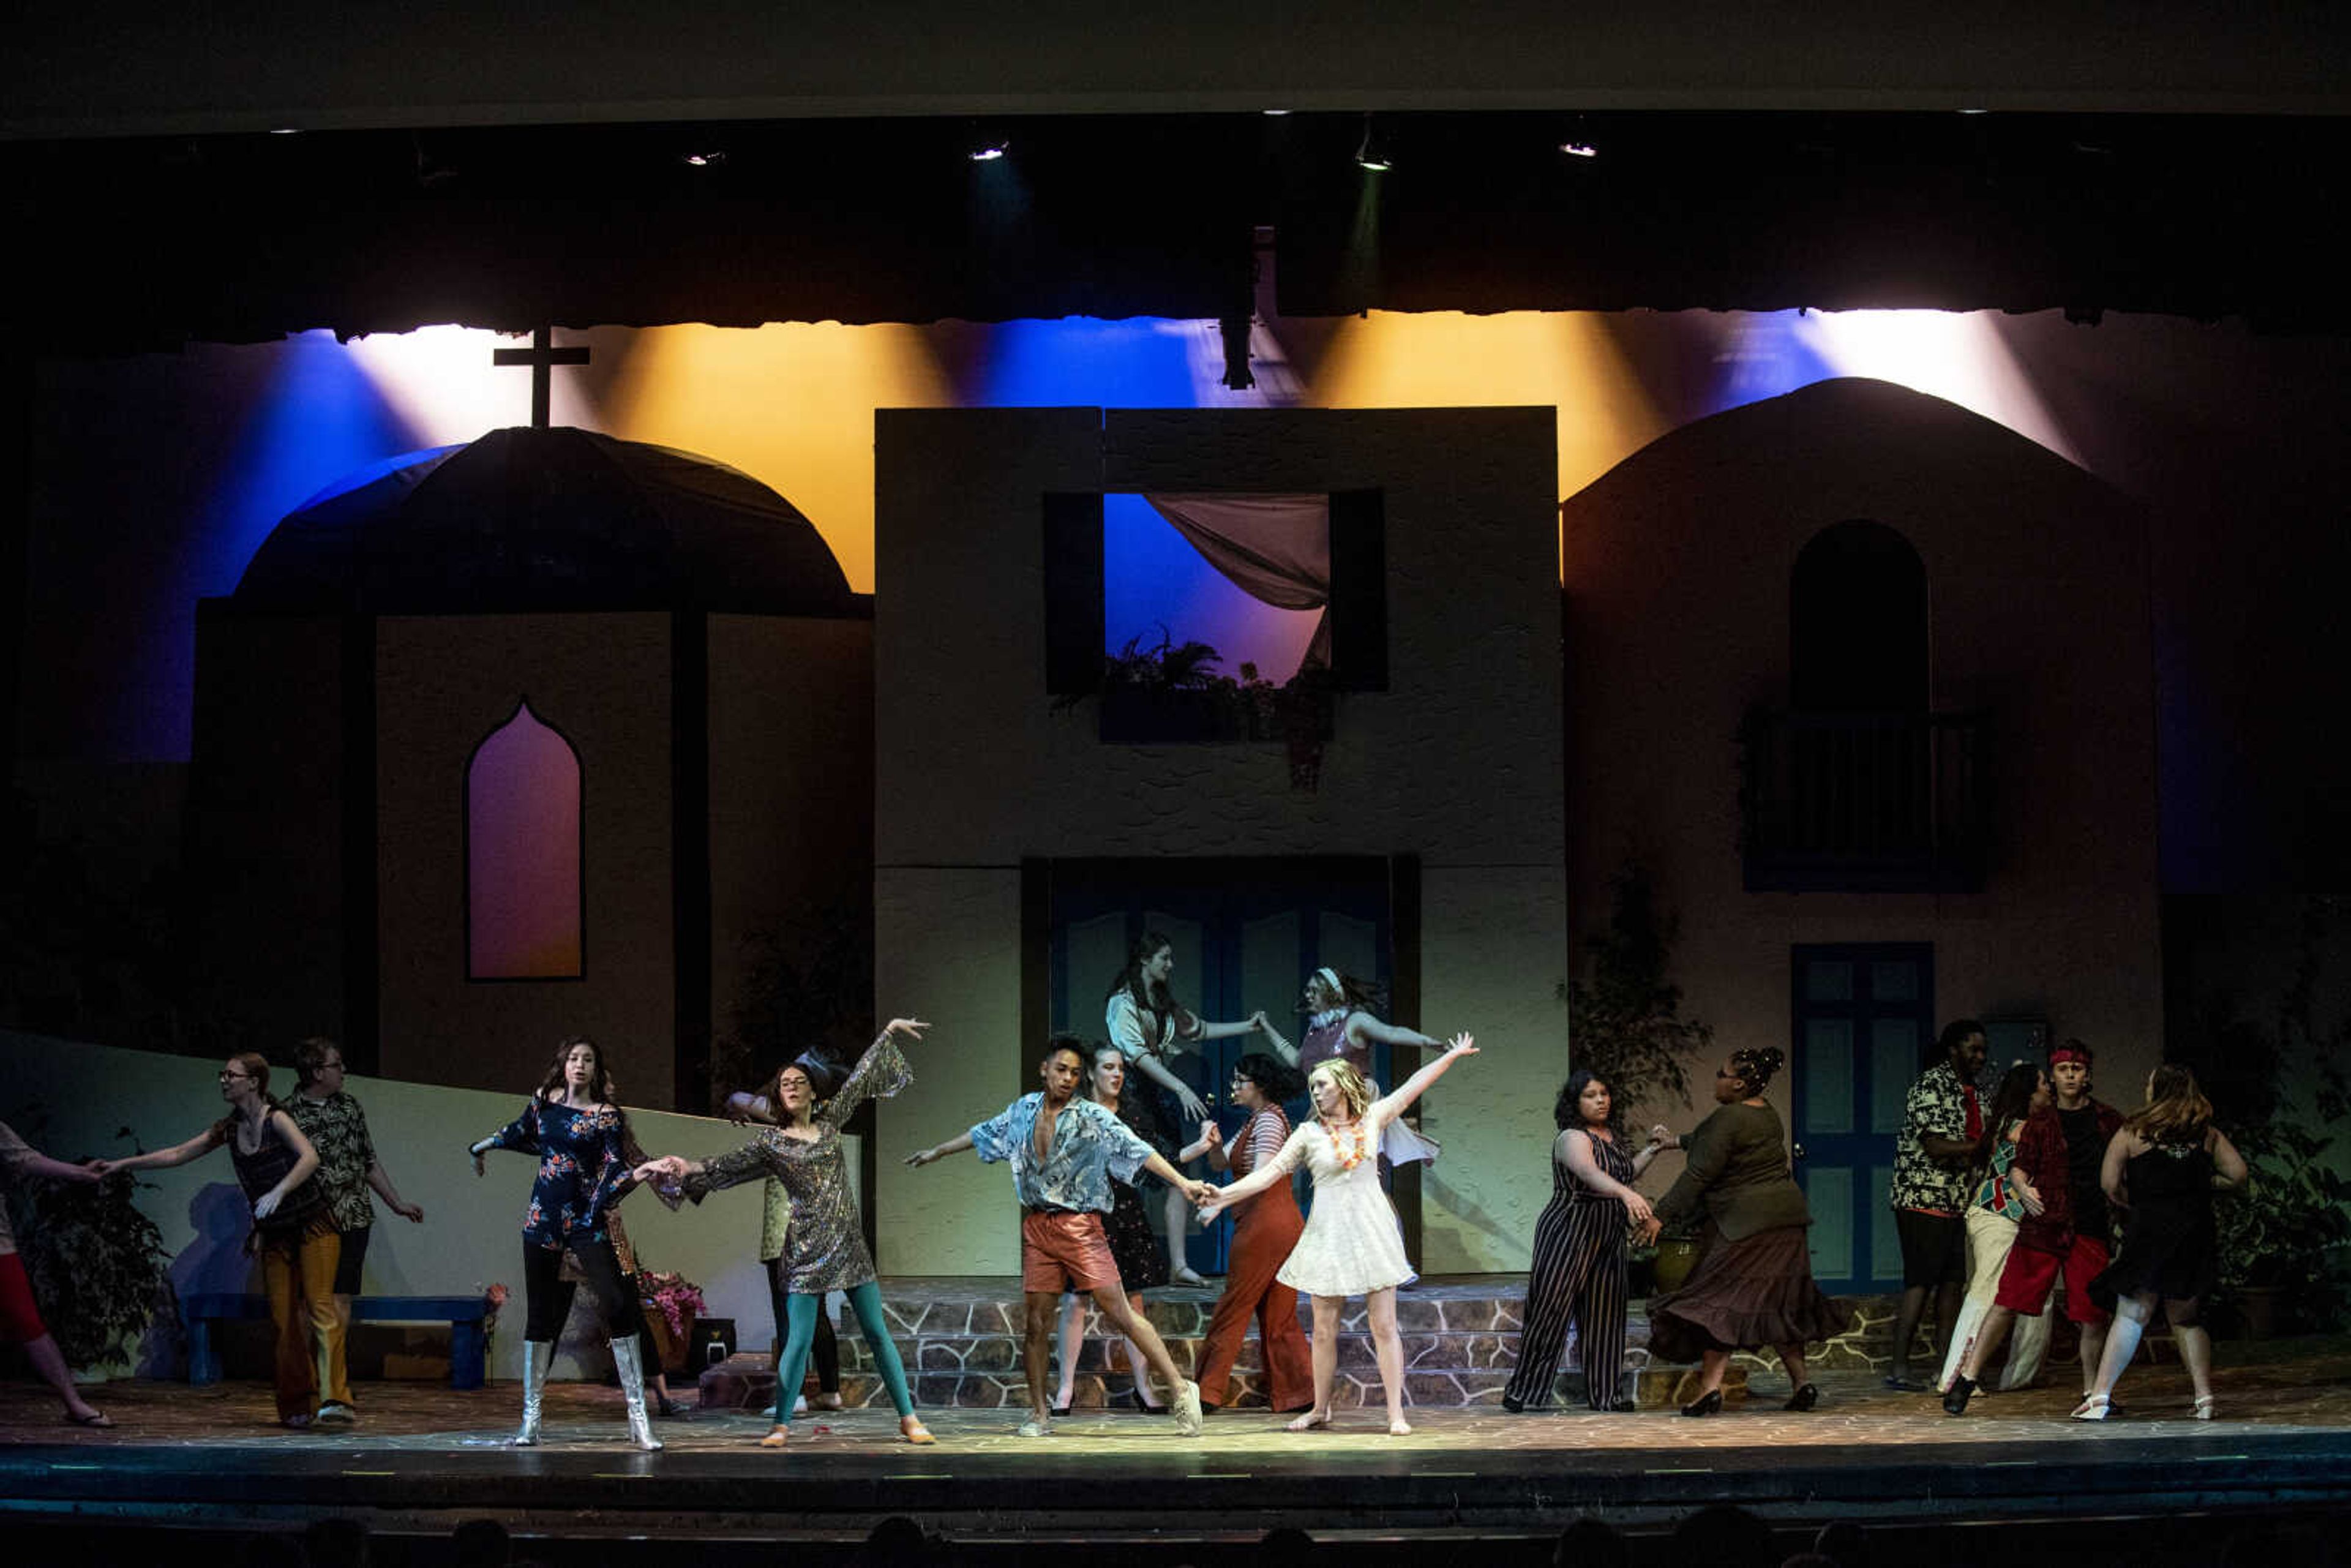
{"type": "Point", "coordinates": [824, 1250]}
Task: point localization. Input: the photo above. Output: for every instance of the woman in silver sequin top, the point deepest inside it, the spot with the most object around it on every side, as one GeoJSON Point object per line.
{"type": "Point", "coordinates": [824, 1248]}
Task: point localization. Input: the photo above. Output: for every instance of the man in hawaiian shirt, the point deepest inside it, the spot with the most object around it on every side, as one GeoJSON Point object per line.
{"type": "Point", "coordinates": [331, 1119]}
{"type": "Point", "coordinates": [1941, 1119]}
{"type": "Point", "coordinates": [1064, 1153]}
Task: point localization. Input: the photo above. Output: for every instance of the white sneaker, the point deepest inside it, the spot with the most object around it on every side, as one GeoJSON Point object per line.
{"type": "Point", "coordinates": [799, 1406]}
{"type": "Point", "coordinates": [1187, 1408]}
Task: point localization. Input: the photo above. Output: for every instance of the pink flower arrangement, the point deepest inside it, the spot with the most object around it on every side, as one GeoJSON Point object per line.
{"type": "Point", "coordinates": [678, 1298]}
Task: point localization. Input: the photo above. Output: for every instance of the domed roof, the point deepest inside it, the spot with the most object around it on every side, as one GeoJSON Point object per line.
{"type": "Point", "coordinates": [547, 519]}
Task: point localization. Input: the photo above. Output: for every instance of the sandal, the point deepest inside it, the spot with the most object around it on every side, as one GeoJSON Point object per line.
{"type": "Point", "coordinates": [2093, 1407]}
{"type": "Point", "coordinates": [911, 1427]}
{"type": "Point", "coordinates": [1309, 1421]}
{"type": "Point", "coordinates": [778, 1436]}
{"type": "Point", "coordinates": [98, 1420]}
{"type": "Point", "coordinates": [2204, 1406]}
{"type": "Point", "coordinates": [1183, 1274]}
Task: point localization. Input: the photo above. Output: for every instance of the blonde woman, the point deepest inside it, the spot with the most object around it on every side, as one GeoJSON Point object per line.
{"type": "Point", "coordinates": [1352, 1245]}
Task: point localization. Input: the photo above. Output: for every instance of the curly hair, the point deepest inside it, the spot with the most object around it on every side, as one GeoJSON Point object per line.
{"type": "Point", "coordinates": [1275, 1079]}
{"type": "Point", "coordinates": [1757, 1065]}
{"type": "Point", "coordinates": [1565, 1111]}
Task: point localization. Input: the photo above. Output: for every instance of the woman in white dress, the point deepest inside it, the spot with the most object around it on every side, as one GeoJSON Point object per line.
{"type": "Point", "coordinates": [1352, 1245]}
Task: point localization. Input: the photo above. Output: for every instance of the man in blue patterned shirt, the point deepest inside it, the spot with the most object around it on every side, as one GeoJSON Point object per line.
{"type": "Point", "coordinates": [1064, 1152]}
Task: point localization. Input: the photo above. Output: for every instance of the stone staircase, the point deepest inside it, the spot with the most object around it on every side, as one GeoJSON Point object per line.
{"type": "Point", "coordinates": [960, 1338]}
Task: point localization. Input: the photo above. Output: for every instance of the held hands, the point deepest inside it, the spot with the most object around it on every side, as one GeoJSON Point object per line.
{"type": "Point", "coordinates": [1259, 1022]}
{"type": "Point", "coordinates": [1647, 1230]}
{"type": "Point", "coordinates": [1212, 1135]}
{"type": "Point", "coordinates": [668, 1168]}
{"type": "Point", "coordinates": [1662, 1138]}
{"type": "Point", "coordinates": [911, 1027]}
{"type": "Point", "coordinates": [1636, 1210]}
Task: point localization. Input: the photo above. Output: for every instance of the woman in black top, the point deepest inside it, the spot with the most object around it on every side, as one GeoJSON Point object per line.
{"type": "Point", "coordinates": [293, 1228]}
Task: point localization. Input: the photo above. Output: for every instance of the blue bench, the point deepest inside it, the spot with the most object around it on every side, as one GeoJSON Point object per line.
{"type": "Point", "coordinates": [468, 1339]}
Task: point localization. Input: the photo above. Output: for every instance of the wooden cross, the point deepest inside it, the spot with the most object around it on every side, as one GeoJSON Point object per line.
{"type": "Point", "coordinates": [541, 355]}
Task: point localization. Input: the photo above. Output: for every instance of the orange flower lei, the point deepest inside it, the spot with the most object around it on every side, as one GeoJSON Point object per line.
{"type": "Point", "coordinates": [1351, 1153]}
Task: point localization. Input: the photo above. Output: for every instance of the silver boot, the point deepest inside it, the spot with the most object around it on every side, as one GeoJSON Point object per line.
{"type": "Point", "coordinates": [631, 1366]}
{"type": "Point", "coordinates": [536, 1357]}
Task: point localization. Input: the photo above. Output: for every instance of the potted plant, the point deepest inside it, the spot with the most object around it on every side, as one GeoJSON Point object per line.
{"type": "Point", "coordinates": [2282, 1237]}
{"type": "Point", "coordinates": [96, 1263]}
{"type": "Point", "coordinates": [672, 1302]}
{"type": "Point", "coordinates": [1623, 1015]}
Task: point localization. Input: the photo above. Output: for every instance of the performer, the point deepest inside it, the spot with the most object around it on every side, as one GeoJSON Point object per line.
{"type": "Point", "coordinates": [293, 1228]}
{"type": "Point", "coordinates": [1352, 1245]}
{"type": "Point", "coordinates": [2004, 1196]}
{"type": "Point", "coordinates": [1752, 1284]}
{"type": "Point", "coordinates": [1265, 1231]}
{"type": "Point", "coordinates": [2061, 1151]}
{"type": "Point", "coordinates": [1134, 1247]}
{"type": "Point", "coordinates": [1065, 1152]}
{"type": "Point", "coordinates": [337, 1127]}
{"type": "Point", "coordinates": [2161, 1170]}
{"type": "Point", "coordinates": [581, 1139]}
{"type": "Point", "coordinates": [1340, 1027]}
{"type": "Point", "coordinates": [1145, 1020]}
{"type": "Point", "coordinates": [825, 1250]}
{"type": "Point", "coordinates": [1942, 1119]}
{"type": "Point", "coordinates": [743, 1108]}
{"type": "Point", "coordinates": [20, 1318]}
{"type": "Point", "coordinates": [1579, 1267]}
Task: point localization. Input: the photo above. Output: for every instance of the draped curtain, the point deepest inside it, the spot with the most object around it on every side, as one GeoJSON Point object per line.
{"type": "Point", "coordinates": [1276, 549]}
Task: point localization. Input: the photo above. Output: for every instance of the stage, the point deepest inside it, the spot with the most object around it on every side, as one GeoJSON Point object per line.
{"type": "Point", "coordinates": [425, 1457]}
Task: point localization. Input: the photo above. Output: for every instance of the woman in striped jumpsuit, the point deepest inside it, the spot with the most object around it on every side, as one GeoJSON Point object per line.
{"type": "Point", "coordinates": [1579, 1267]}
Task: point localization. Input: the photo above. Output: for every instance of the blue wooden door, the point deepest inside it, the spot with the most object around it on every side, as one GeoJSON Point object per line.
{"type": "Point", "coordinates": [1862, 1015]}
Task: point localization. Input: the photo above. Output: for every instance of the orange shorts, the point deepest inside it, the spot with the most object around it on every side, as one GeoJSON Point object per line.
{"type": "Point", "coordinates": [2026, 1279]}
{"type": "Point", "coordinates": [1064, 1249]}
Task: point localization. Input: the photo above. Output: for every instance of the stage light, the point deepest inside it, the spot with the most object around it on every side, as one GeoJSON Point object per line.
{"type": "Point", "coordinates": [989, 152]}
{"type": "Point", "coordinates": [1579, 149]}
{"type": "Point", "coordinates": [1276, 113]}
{"type": "Point", "coordinates": [1372, 152]}
{"type": "Point", "coordinates": [285, 131]}
{"type": "Point", "coordinates": [704, 159]}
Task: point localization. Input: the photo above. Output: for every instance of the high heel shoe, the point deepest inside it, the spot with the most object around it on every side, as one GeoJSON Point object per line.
{"type": "Point", "coordinates": [1136, 1398]}
{"type": "Point", "coordinates": [2093, 1407]}
{"type": "Point", "coordinates": [1803, 1398]}
{"type": "Point", "coordinates": [1707, 1404]}
{"type": "Point", "coordinates": [1183, 1274]}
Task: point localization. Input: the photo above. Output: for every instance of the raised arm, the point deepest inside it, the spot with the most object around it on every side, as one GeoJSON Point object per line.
{"type": "Point", "coordinates": [1390, 1106]}
{"type": "Point", "coordinates": [880, 1073]}
{"type": "Point", "coordinates": [1709, 1149]}
{"type": "Point", "coordinates": [1281, 1047]}
{"type": "Point", "coordinates": [743, 1106]}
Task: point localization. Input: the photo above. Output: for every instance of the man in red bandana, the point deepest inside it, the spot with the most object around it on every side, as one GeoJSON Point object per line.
{"type": "Point", "coordinates": [2060, 1150]}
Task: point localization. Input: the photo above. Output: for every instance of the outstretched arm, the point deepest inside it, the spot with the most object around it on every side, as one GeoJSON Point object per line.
{"type": "Point", "coordinates": [1281, 1047]}
{"type": "Point", "coordinates": [1267, 1172]}
{"type": "Point", "coordinates": [954, 1145]}
{"type": "Point", "coordinates": [1389, 1106]}
{"type": "Point", "coordinates": [1365, 1030]}
{"type": "Point", "coordinates": [1196, 1191]}
{"type": "Point", "coordinates": [203, 1144]}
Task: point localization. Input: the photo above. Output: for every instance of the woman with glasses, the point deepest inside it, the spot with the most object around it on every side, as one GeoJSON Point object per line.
{"type": "Point", "coordinates": [293, 1224]}
{"type": "Point", "coordinates": [1752, 1284]}
{"type": "Point", "coordinates": [1265, 1232]}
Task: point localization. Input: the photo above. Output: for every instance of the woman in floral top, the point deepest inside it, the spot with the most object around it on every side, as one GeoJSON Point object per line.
{"type": "Point", "coordinates": [581, 1140]}
{"type": "Point", "coordinates": [824, 1250]}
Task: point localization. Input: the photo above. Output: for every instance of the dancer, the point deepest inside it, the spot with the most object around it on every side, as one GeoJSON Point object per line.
{"type": "Point", "coordinates": [1340, 1027]}
{"type": "Point", "coordinates": [1134, 1246]}
{"type": "Point", "coordinates": [2162, 1169]}
{"type": "Point", "coordinates": [20, 1319]}
{"type": "Point", "coordinates": [743, 1108]}
{"type": "Point", "coordinates": [1145, 1020]}
{"type": "Point", "coordinates": [1579, 1267]}
{"type": "Point", "coordinates": [825, 1250]}
{"type": "Point", "coordinates": [581, 1139]}
{"type": "Point", "coordinates": [331, 1118]}
{"type": "Point", "coordinates": [1752, 1284]}
{"type": "Point", "coordinates": [2004, 1196]}
{"type": "Point", "coordinates": [1265, 1232]}
{"type": "Point", "coordinates": [1065, 1152]}
{"type": "Point", "coordinates": [1941, 1122]}
{"type": "Point", "coordinates": [2061, 1153]}
{"type": "Point", "coordinates": [293, 1228]}
{"type": "Point", "coordinates": [1352, 1245]}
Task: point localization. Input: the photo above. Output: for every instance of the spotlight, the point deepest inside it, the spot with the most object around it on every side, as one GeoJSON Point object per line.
{"type": "Point", "coordinates": [285, 131]}
{"type": "Point", "coordinates": [1372, 152]}
{"type": "Point", "coordinates": [988, 151]}
{"type": "Point", "coordinates": [1273, 113]}
{"type": "Point", "coordinates": [1579, 149]}
{"type": "Point", "coordinates": [703, 160]}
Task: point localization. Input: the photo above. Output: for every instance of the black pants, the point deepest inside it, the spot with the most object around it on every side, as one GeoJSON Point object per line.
{"type": "Point", "coordinates": [546, 1296]}
{"type": "Point", "coordinates": [825, 1351]}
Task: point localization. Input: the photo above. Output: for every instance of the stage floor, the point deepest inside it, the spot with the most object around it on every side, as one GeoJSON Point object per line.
{"type": "Point", "coordinates": [424, 1456]}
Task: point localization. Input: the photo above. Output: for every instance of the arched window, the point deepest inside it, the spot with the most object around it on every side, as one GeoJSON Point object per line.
{"type": "Point", "coordinates": [522, 853]}
{"type": "Point", "coordinates": [1857, 622]}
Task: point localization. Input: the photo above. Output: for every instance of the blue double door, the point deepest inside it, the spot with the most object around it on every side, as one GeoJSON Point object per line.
{"type": "Point", "coordinates": [1245, 934]}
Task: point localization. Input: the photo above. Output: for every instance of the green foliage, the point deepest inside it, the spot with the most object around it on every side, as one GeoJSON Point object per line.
{"type": "Point", "coordinates": [1167, 665]}
{"type": "Point", "coordinates": [96, 1263]}
{"type": "Point", "coordinates": [1625, 1021]}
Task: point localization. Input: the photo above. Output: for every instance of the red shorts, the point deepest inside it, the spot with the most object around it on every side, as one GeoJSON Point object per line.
{"type": "Point", "coordinates": [20, 1320]}
{"type": "Point", "coordinates": [2026, 1279]}
{"type": "Point", "coordinates": [1061, 1250]}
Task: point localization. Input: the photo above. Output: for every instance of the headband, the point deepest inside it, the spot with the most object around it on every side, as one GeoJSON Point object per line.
{"type": "Point", "coordinates": [1330, 977]}
{"type": "Point", "coordinates": [2069, 1054]}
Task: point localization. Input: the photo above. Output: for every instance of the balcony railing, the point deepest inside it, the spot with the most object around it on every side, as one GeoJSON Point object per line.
{"type": "Point", "coordinates": [1863, 802]}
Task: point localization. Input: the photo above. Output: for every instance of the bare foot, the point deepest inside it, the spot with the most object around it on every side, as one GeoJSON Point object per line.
{"type": "Point", "coordinates": [1309, 1421]}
